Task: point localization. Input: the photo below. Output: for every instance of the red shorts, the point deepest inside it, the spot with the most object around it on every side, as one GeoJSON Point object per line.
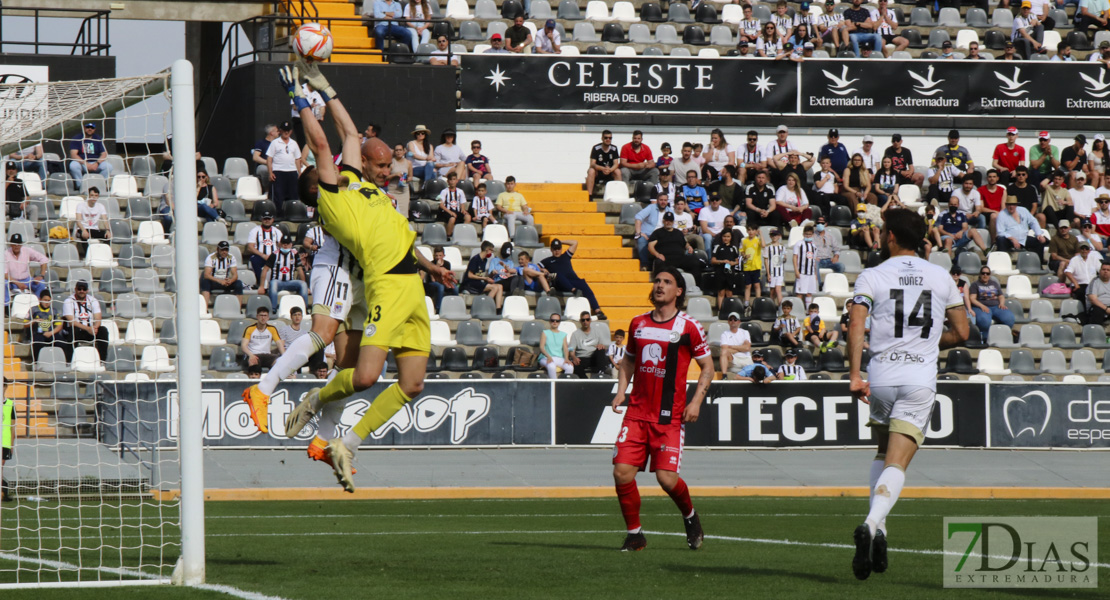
{"type": "Point", "coordinates": [640, 440]}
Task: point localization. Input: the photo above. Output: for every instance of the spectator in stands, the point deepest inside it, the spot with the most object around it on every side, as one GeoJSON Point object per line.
{"type": "Point", "coordinates": [805, 265]}
{"type": "Point", "coordinates": [92, 218]}
{"type": "Point", "coordinates": [477, 164]}
{"type": "Point", "coordinates": [1008, 51]}
{"type": "Point", "coordinates": [1093, 14]}
{"type": "Point", "coordinates": [15, 195]}
{"type": "Point", "coordinates": [970, 204]}
{"type": "Point", "coordinates": [1081, 270]}
{"type": "Point", "coordinates": [1074, 158]}
{"type": "Point", "coordinates": [513, 207]}
{"type": "Point", "coordinates": [902, 160]}
{"type": "Point", "coordinates": [1096, 161]}
{"type": "Point", "coordinates": [478, 280]}
{"type": "Point", "coordinates": [46, 327]}
{"type": "Point", "coordinates": [750, 159]}
{"type": "Point", "coordinates": [451, 204]}
{"type": "Point", "coordinates": [958, 156]}
{"type": "Point", "coordinates": [531, 274]}
{"type": "Point", "coordinates": [1082, 197]}
{"type": "Point", "coordinates": [836, 152]}
{"type": "Point", "coordinates": [1087, 234]}
{"type": "Point", "coordinates": [885, 22]}
{"type": "Point", "coordinates": [953, 228]}
{"type": "Point", "coordinates": [802, 36]}
{"type": "Point", "coordinates": [993, 197]}
{"type": "Point", "coordinates": [221, 273]}
{"type": "Point", "coordinates": [946, 51]}
{"type": "Point", "coordinates": [434, 289]}
{"type": "Point", "coordinates": [825, 186]}
{"type": "Point", "coordinates": [1063, 53]}
{"type": "Point", "coordinates": [400, 174]}
{"type": "Point", "coordinates": [769, 43]}
{"type": "Point", "coordinates": [833, 27]}
{"type": "Point", "coordinates": [30, 160]}
{"type": "Point", "coordinates": [1062, 248]}
{"type": "Point", "coordinates": [566, 280]}
{"type": "Point", "coordinates": [81, 312]}
{"type": "Point", "coordinates": [942, 178]}
{"type": "Point", "coordinates": [736, 348]}
{"type": "Point", "coordinates": [783, 20]}
{"type": "Point", "coordinates": [262, 242]}
{"type": "Point", "coordinates": [496, 45]}
{"type": "Point", "coordinates": [668, 247]}
{"type": "Point", "coordinates": [757, 372]}
{"type": "Point", "coordinates": [553, 347]}
{"type": "Point", "coordinates": [886, 183]}
{"type": "Point", "coordinates": [863, 232]}
{"type": "Point", "coordinates": [548, 41]}
{"type": "Point", "coordinates": [862, 28]}
{"type": "Point", "coordinates": [1098, 297]}
{"type": "Point", "coordinates": [87, 154]}
{"type": "Point", "coordinates": [388, 15]}
{"type": "Point", "coordinates": [749, 26]}
{"type": "Point", "coordinates": [1028, 32]}
{"type": "Point", "coordinates": [792, 163]}
{"type": "Point", "coordinates": [729, 189]}
{"type": "Point", "coordinates": [481, 206]}
{"type": "Point", "coordinates": [420, 151]}
{"type": "Point", "coordinates": [855, 182]}
{"type": "Point", "coordinates": [1101, 218]}
{"type": "Point", "coordinates": [667, 186]}
{"type": "Point", "coordinates": [290, 333]}
{"type": "Point", "coordinates": [449, 156]}
{"type": "Point", "coordinates": [760, 206]}
{"type": "Point", "coordinates": [284, 161]}
{"type": "Point", "coordinates": [815, 332]}
{"type": "Point", "coordinates": [588, 351]}
{"type": "Point", "coordinates": [828, 250]}
{"type": "Point", "coordinates": [17, 268]}
{"type": "Point", "coordinates": [725, 260]}
{"type": "Point", "coordinates": [615, 352]}
{"type": "Point", "coordinates": [685, 222]}
{"type": "Point", "coordinates": [665, 159]}
{"type": "Point", "coordinates": [776, 154]}
{"type": "Point", "coordinates": [283, 273]}
{"type": "Point", "coordinates": [647, 221]}
{"type": "Point", "coordinates": [1056, 202]}
{"type": "Point", "coordinates": [418, 15]}
{"type": "Point", "coordinates": [711, 220]}
{"type": "Point", "coordinates": [774, 255]}
{"type": "Point", "coordinates": [208, 201]}
{"type": "Point", "coordinates": [1027, 195]}
{"type": "Point", "coordinates": [717, 155]}
{"type": "Point", "coordinates": [253, 372]}
{"type": "Point", "coordinates": [442, 52]}
{"type": "Point", "coordinates": [1103, 53]}
{"type": "Point", "coordinates": [604, 162]}
{"type": "Point", "coordinates": [683, 164]}
{"type": "Point", "coordinates": [787, 328]}
{"type": "Point", "coordinates": [973, 52]}
{"type": "Point", "coordinates": [319, 370]}
{"type": "Point", "coordinates": [932, 232]}
{"type": "Point", "coordinates": [258, 155]}
{"type": "Point", "coordinates": [519, 36]}
{"type": "Point", "coordinates": [791, 201]}
{"type": "Point", "coordinates": [258, 342]}
{"type": "Point", "coordinates": [637, 163]}
{"type": "Point", "coordinates": [503, 270]}
{"type": "Point", "coordinates": [790, 370]}
{"type": "Point", "coordinates": [1008, 155]}
{"type": "Point", "coordinates": [1014, 226]}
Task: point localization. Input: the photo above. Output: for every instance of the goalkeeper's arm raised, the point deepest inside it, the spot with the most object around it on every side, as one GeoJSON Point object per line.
{"type": "Point", "coordinates": [344, 124]}
{"type": "Point", "coordinates": [314, 133]}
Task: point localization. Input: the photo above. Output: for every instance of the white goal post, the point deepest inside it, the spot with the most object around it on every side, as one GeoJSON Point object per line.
{"type": "Point", "coordinates": [96, 503]}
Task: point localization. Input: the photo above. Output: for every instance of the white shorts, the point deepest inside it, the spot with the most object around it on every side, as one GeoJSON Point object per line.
{"type": "Point", "coordinates": [335, 295]}
{"type": "Point", "coordinates": [905, 409]}
{"type": "Point", "coordinates": [805, 284]}
{"type": "Point", "coordinates": [775, 280]}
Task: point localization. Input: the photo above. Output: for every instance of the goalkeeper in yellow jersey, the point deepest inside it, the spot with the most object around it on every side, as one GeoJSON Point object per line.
{"type": "Point", "coordinates": [361, 218]}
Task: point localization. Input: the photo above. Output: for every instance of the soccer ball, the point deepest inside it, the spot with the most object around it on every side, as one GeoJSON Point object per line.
{"type": "Point", "coordinates": [313, 41]}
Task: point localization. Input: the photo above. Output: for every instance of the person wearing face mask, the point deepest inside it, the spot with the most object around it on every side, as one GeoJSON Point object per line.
{"type": "Point", "coordinates": [283, 273]}
{"type": "Point", "coordinates": [953, 228]}
{"type": "Point", "coordinates": [503, 271]}
{"type": "Point", "coordinates": [863, 232]}
{"type": "Point", "coordinates": [828, 250]}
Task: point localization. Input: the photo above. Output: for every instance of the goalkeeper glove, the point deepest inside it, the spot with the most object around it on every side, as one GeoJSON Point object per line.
{"type": "Point", "coordinates": [289, 81]}
{"type": "Point", "coordinates": [316, 80]}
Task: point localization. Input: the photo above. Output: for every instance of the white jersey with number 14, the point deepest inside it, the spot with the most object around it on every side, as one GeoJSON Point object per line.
{"type": "Point", "coordinates": [907, 298]}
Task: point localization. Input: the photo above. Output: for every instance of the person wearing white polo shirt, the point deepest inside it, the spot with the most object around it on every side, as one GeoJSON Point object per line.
{"type": "Point", "coordinates": [736, 348]}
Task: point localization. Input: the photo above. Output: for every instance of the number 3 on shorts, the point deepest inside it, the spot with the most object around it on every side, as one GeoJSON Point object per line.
{"type": "Point", "coordinates": [624, 434]}
{"type": "Point", "coordinates": [376, 314]}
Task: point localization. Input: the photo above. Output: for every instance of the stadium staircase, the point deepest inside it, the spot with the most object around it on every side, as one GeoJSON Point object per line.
{"type": "Point", "coordinates": [349, 36]}
{"type": "Point", "coordinates": [565, 212]}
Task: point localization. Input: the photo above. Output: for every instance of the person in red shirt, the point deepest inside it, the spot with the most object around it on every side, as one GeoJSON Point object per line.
{"type": "Point", "coordinates": [660, 346]}
{"type": "Point", "coordinates": [992, 195]}
{"type": "Point", "coordinates": [637, 162]}
{"type": "Point", "coordinates": [1008, 156]}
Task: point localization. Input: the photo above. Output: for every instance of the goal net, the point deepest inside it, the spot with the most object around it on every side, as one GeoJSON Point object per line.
{"type": "Point", "coordinates": [91, 346]}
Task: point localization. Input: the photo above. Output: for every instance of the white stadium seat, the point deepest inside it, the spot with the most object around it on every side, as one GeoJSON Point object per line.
{"type": "Point", "coordinates": [156, 360]}
{"type": "Point", "coordinates": [249, 188]}
{"type": "Point", "coordinates": [597, 10]}
{"type": "Point", "coordinates": [617, 191]}
{"type": "Point", "coordinates": [33, 185]}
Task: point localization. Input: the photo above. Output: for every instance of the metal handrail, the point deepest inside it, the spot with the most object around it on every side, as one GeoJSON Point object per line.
{"type": "Point", "coordinates": [95, 21]}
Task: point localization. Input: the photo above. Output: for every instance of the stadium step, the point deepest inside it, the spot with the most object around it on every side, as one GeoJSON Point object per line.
{"type": "Point", "coordinates": [335, 9]}
{"type": "Point", "coordinates": [602, 231]}
{"type": "Point", "coordinates": [548, 206]}
{"type": "Point", "coordinates": [566, 218]}
{"type": "Point", "coordinates": [589, 265]}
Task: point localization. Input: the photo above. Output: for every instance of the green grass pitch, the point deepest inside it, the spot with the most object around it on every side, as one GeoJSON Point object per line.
{"type": "Point", "coordinates": [567, 548]}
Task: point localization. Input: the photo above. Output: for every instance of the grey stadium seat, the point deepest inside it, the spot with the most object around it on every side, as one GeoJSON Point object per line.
{"type": "Point", "coordinates": [999, 336]}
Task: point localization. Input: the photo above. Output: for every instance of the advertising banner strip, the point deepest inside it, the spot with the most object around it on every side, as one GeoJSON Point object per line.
{"type": "Point", "coordinates": [866, 88]}
{"type": "Point", "coordinates": [1048, 416]}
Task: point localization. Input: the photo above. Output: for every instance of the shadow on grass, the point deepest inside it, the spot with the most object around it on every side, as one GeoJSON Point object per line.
{"type": "Point", "coordinates": [747, 572]}
{"type": "Point", "coordinates": [611, 547]}
{"type": "Point", "coordinates": [243, 562]}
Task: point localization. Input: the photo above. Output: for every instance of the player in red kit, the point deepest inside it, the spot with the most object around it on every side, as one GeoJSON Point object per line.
{"type": "Point", "coordinates": [660, 346]}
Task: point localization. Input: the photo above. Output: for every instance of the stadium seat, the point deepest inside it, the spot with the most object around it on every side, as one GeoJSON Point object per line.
{"type": "Point", "coordinates": [249, 188]}
{"type": "Point", "coordinates": [597, 10]}
{"type": "Point", "coordinates": [1003, 18]}
{"type": "Point", "coordinates": [568, 50]}
{"type": "Point", "coordinates": [99, 256]}
{"type": "Point", "coordinates": [256, 301]}
{"type": "Point", "coordinates": [441, 334]}
{"type": "Point", "coordinates": [68, 208]}
{"type": "Point", "coordinates": [693, 35]}
{"type": "Point", "coordinates": [759, 339]}
{"type": "Point", "coordinates": [541, 10]}
{"type": "Point", "coordinates": [527, 237]}
{"type": "Point", "coordinates": [700, 309]}
{"type": "Point", "coordinates": [651, 12]}
{"type": "Point", "coordinates": [86, 360]}
{"type": "Point", "coordinates": [138, 209]}
{"type": "Point", "coordinates": [295, 211]}
{"type": "Point", "coordinates": [146, 281]}
{"type": "Point", "coordinates": [58, 184]}
{"type": "Point", "coordinates": [151, 233]}
{"type": "Point", "coordinates": [1054, 362]}
{"type": "Point", "coordinates": [496, 234]}
{"type": "Point", "coordinates": [22, 304]}
{"type": "Point", "coordinates": [667, 34]}
{"type": "Point", "coordinates": [469, 333]}
{"type": "Point", "coordinates": [483, 9]}
{"type": "Point", "coordinates": [616, 191]}
{"type": "Point", "coordinates": [453, 308]}
{"type": "Point", "coordinates": [483, 308]}
{"type": "Point", "coordinates": [121, 358]}
{"type": "Point", "coordinates": [1000, 264]}
{"type": "Point", "coordinates": [1022, 362]}
{"type": "Point", "coordinates": [652, 51]}
{"type": "Point", "coordinates": [129, 306]}
{"type": "Point", "coordinates": [471, 31]}
{"type": "Point", "coordinates": [1031, 336]}
{"type": "Point", "coordinates": [714, 333]}
{"type": "Point", "coordinates": [210, 334]}
{"type": "Point", "coordinates": [1094, 336]}
{"type": "Point", "coordinates": [836, 285]}
{"type": "Point", "coordinates": [516, 308]}
{"type": "Point", "coordinates": [286, 304]}
{"type": "Point", "coordinates": [1047, 280]}
{"type": "Point", "coordinates": [226, 306]}
{"type": "Point", "coordinates": [161, 306]}
{"type": "Point", "coordinates": [612, 33]}
{"type": "Point", "coordinates": [1029, 263]}
{"type": "Point", "coordinates": [977, 17]}
{"type": "Point", "coordinates": [948, 17]}
{"type": "Point", "coordinates": [1040, 310]}
{"type": "Point", "coordinates": [841, 216]}
{"type": "Point", "coordinates": [706, 13]}
{"type": "Point", "coordinates": [223, 360]}
{"type": "Point", "coordinates": [568, 11]}
{"type": "Point", "coordinates": [487, 359]}
{"type": "Point", "coordinates": [1019, 313]}
{"type": "Point", "coordinates": [990, 363]}
{"type": "Point", "coordinates": [1063, 336]}
{"type": "Point", "coordinates": [965, 37]}
{"type": "Point", "coordinates": [511, 9]}
{"type": "Point", "coordinates": [77, 274]}
{"type": "Point", "coordinates": [1078, 40]}
{"type": "Point", "coordinates": [709, 53]}
{"type": "Point", "coordinates": [530, 332]}
{"type": "Point", "coordinates": [1051, 39]}
{"type": "Point", "coordinates": [833, 361]}
{"type": "Point", "coordinates": [959, 361]}
{"type": "Point", "coordinates": [920, 17]}
{"type": "Point", "coordinates": [458, 10]}
{"type": "Point", "coordinates": [213, 233]}
{"type": "Point", "coordinates": [732, 14]}
{"type": "Point", "coordinates": [1084, 362]}
{"type": "Point", "coordinates": [994, 39]}
{"type": "Point", "coordinates": [575, 307]}
{"type": "Point", "coordinates": [434, 234]}
{"type": "Point", "coordinates": [466, 235]}
{"type": "Point", "coordinates": [33, 186]}
{"type": "Point", "coordinates": [1000, 336]}
{"type": "Point", "coordinates": [624, 12]}
{"type": "Point", "coordinates": [234, 167]}
{"type": "Point", "coordinates": [679, 13]}
{"type": "Point", "coordinates": [937, 37]}
{"type": "Point", "coordinates": [638, 33]}
{"type": "Point", "coordinates": [501, 333]}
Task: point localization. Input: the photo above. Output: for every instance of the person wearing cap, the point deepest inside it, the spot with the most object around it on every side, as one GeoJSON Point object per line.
{"type": "Point", "coordinates": [749, 26]}
{"type": "Point", "coordinates": [866, 151]}
{"type": "Point", "coordinates": [604, 162]}
{"type": "Point", "coordinates": [1081, 270]}
{"type": "Point", "coordinates": [1102, 55]}
{"type": "Point", "coordinates": [836, 152]}
{"type": "Point", "coordinates": [283, 161]}
{"type": "Point", "coordinates": [387, 16]}
{"type": "Point", "coordinates": [1087, 234]}
{"type": "Point", "coordinates": [29, 160]}
{"type": "Point", "coordinates": [15, 194]}
{"type": "Point", "coordinates": [1044, 158]}
{"type": "Point", "coordinates": [1008, 51]}
{"type": "Point", "coordinates": [87, 154]}
{"type": "Point", "coordinates": [833, 27]}
{"type": "Point", "coordinates": [1073, 159]}
{"type": "Point", "coordinates": [647, 221]}
{"type": "Point", "coordinates": [953, 227]}
{"type": "Point", "coordinates": [258, 154]}
{"type": "Point", "coordinates": [1018, 230]}
{"type": "Point", "coordinates": [1098, 297]}
{"type": "Point", "coordinates": [449, 157]}
{"type": "Point", "coordinates": [757, 372]}
{"type": "Point", "coordinates": [942, 179]}
{"type": "Point", "coordinates": [221, 273]}
{"type": "Point", "coordinates": [667, 186]}
{"type": "Point", "coordinates": [902, 161]}
{"type": "Point", "coordinates": [442, 55]}
{"type": "Point", "coordinates": [958, 156]}
{"type": "Point", "coordinates": [496, 45]}
{"type": "Point", "coordinates": [1063, 246]}
{"type": "Point", "coordinates": [17, 270]}
{"type": "Point", "coordinates": [587, 347]}
{"type": "Point", "coordinates": [1092, 14]}
{"type": "Point", "coordinates": [262, 241]}
{"type": "Point", "coordinates": [82, 315]}
{"type": "Point", "coordinates": [736, 348]}
{"type": "Point", "coordinates": [548, 41]}
{"type": "Point", "coordinates": [1083, 198]}
{"type": "Point", "coordinates": [422, 154]}
{"type": "Point", "coordinates": [862, 28]}
{"type": "Point", "coordinates": [1100, 218]}
{"type": "Point", "coordinates": [566, 279]}
{"type": "Point", "coordinates": [790, 370]}
{"type": "Point", "coordinates": [863, 233]}
{"type": "Point", "coordinates": [1028, 32]}
{"type": "Point", "coordinates": [668, 247]}
{"type": "Point", "coordinates": [946, 51]}
{"type": "Point", "coordinates": [777, 153]}
{"type": "Point", "coordinates": [637, 163]}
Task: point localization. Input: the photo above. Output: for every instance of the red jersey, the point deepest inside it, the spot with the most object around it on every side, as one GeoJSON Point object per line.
{"type": "Point", "coordinates": [662, 352]}
{"type": "Point", "coordinates": [633, 156]}
{"type": "Point", "coordinates": [992, 201]}
{"type": "Point", "coordinates": [1007, 158]}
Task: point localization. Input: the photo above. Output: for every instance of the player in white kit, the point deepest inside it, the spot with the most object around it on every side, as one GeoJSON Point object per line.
{"type": "Point", "coordinates": [908, 299]}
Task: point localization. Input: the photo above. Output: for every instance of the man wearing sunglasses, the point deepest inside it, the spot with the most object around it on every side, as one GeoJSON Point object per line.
{"type": "Point", "coordinates": [588, 352]}
{"type": "Point", "coordinates": [604, 162]}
